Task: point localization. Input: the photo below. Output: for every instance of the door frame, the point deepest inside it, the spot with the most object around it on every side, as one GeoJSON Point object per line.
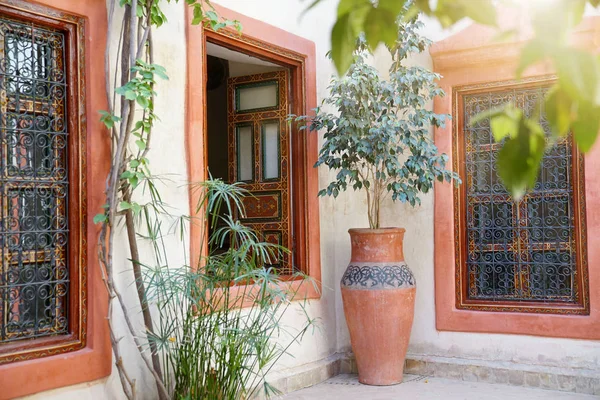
{"type": "Point", "coordinates": [272, 44]}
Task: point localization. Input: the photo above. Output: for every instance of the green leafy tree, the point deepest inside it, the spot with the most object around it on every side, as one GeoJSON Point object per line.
{"type": "Point", "coordinates": [379, 138]}
{"type": "Point", "coordinates": [572, 106]}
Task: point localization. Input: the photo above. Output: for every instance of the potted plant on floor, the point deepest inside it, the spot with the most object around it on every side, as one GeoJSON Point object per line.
{"type": "Point", "coordinates": [378, 141]}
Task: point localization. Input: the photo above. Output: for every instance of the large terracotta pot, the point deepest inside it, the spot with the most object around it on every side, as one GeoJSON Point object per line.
{"type": "Point", "coordinates": [378, 290]}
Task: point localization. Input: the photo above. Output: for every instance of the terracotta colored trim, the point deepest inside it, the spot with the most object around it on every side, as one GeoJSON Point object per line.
{"type": "Point", "coordinates": [94, 361]}
{"type": "Point", "coordinates": [270, 43]}
{"type": "Point", "coordinates": [458, 60]}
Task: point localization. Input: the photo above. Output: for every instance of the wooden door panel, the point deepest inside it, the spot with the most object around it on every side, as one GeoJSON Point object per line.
{"type": "Point", "coordinates": [257, 111]}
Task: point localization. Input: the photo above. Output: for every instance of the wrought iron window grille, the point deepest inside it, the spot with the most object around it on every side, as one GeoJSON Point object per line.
{"type": "Point", "coordinates": [34, 231]}
{"type": "Point", "coordinates": [517, 256]}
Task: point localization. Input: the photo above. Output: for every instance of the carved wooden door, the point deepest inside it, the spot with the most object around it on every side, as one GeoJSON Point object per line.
{"type": "Point", "coordinates": [259, 147]}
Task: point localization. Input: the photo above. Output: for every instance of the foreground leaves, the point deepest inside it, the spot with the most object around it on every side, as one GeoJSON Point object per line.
{"type": "Point", "coordinates": [572, 106]}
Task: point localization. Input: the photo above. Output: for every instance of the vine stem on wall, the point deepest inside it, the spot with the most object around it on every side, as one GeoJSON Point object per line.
{"type": "Point", "coordinates": [130, 50]}
{"type": "Point", "coordinates": [134, 62]}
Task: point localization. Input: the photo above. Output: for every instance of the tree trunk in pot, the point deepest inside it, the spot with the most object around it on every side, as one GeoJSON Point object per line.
{"type": "Point", "coordinates": [378, 291]}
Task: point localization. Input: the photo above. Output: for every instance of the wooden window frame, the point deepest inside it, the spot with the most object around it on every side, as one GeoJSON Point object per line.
{"type": "Point", "coordinates": [85, 353]}
{"type": "Point", "coordinates": [278, 46]}
{"type": "Point", "coordinates": [75, 339]}
{"type": "Point", "coordinates": [473, 57]}
{"type": "Point", "coordinates": [582, 305]}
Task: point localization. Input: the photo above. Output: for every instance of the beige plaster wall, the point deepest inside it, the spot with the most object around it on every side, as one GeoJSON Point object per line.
{"type": "Point", "coordinates": [347, 211]}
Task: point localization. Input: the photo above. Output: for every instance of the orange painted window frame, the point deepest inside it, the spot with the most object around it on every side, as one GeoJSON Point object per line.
{"type": "Point", "coordinates": [49, 367]}
{"type": "Point", "coordinates": [472, 57]}
{"type": "Point", "coordinates": [264, 41]}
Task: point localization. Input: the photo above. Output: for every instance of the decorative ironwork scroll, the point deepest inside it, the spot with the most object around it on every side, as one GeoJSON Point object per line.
{"type": "Point", "coordinates": [517, 255]}
{"type": "Point", "coordinates": [34, 186]}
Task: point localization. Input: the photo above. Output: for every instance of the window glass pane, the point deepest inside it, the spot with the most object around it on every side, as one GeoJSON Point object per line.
{"type": "Point", "coordinates": [257, 96]}
{"type": "Point", "coordinates": [271, 158]}
{"type": "Point", "coordinates": [245, 153]}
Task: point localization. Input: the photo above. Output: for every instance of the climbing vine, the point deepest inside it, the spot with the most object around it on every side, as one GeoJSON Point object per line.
{"type": "Point", "coordinates": [131, 90]}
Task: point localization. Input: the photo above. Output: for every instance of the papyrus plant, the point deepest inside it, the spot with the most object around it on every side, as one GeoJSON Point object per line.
{"type": "Point", "coordinates": [220, 326]}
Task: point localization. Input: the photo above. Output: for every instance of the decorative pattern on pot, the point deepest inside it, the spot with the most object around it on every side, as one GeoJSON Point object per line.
{"type": "Point", "coordinates": [359, 276]}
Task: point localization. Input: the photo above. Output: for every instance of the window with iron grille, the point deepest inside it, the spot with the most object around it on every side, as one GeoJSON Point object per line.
{"type": "Point", "coordinates": [39, 239]}
{"type": "Point", "coordinates": [526, 256]}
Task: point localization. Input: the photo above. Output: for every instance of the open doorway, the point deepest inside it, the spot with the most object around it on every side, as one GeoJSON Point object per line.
{"type": "Point", "coordinates": [248, 141]}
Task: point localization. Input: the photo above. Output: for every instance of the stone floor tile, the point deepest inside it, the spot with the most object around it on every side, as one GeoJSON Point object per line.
{"type": "Point", "coordinates": [414, 387]}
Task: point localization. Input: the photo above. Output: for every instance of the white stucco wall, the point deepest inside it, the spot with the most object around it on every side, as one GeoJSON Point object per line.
{"type": "Point", "coordinates": [337, 216]}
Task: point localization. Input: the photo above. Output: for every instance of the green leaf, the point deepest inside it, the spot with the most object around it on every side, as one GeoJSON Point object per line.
{"type": "Point", "coordinates": [100, 218]}
{"type": "Point", "coordinates": [198, 14]}
{"type": "Point", "coordinates": [504, 36]}
{"type": "Point", "coordinates": [481, 11]}
{"type": "Point", "coordinates": [586, 126]}
{"type": "Point", "coordinates": [142, 101]}
{"type": "Point", "coordinates": [451, 11]}
{"type": "Point", "coordinates": [578, 74]}
{"type": "Point", "coordinates": [126, 174]}
{"type": "Point", "coordinates": [423, 5]}
{"type": "Point", "coordinates": [141, 144]}
{"type": "Point", "coordinates": [520, 157]}
{"type": "Point", "coordinates": [534, 51]}
{"type": "Point", "coordinates": [504, 126]}
{"type": "Point", "coordinates": [342, 44]}
{"type": "Point", "coordinates": [124, 205]}
{"type": "Point", "coordinates": [161, 74]}
{"type": "Point", "coordinates": [130, 95]}
{"type": "Point", "coordinates": [575, 11]}
{"type": "Point", "coordinates": [351, 6]}
{"type": "Point", "coordinates": [380, 26]}
{"type": "Point", "coordinates": [394, 7]}
{"type": "Point", "coordinates": [213, 16]}
{"type": "Point", "coordinates": [134, 181]}
{"type": "Point", "coordinates": [350, 23]}
{"type": "Point", "coordinates": [136, 208]}
{"type": "Point", "coordinates": [490, 113]}
{"type": "Point", "coordinates": [559, 110]}
{"type": "Point", "coordinates": [108, 119]}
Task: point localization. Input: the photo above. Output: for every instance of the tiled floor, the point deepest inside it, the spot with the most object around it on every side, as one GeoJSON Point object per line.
{"type": "Point", "coordinates": [414, 387]}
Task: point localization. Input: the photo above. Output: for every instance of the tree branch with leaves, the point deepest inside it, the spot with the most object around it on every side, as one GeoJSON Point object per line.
{"type": "Point", "coordinates": [379, 140]}
{"type": "Point", "coordinates": [572, 105]}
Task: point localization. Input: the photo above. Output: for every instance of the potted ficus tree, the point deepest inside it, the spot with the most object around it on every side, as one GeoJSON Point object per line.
{"type": "Point", "coordinates": [378, 140]}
